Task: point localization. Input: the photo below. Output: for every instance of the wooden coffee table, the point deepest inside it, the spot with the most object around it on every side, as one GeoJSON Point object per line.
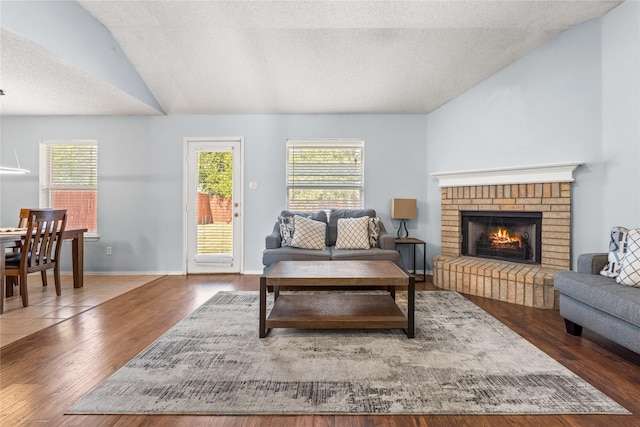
{"type": "Point", "coordinates": [336, 310]}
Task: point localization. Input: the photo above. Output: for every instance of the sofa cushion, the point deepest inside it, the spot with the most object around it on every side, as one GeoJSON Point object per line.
{"type": "Point", "coordinates": [336, 214]}
{"type": "Point", "coordinates": [353, 233]}
{"type": "Point", "coordinates": [602, 293]}
{"type": "Point", "coordinates": [630, 269]}
{"type": "Point", "coordinates": [373, 254]}
{"type": "Point", "coordinates": [271, 256]}
{"type": "Point", "coordinates": [617, 248]}
{"type": "Point", "coordinates": [316, 216]}
{"type": "Point", "coordinates": [308, 234]}
{"type": "Point", "coordinates": [592, 262]}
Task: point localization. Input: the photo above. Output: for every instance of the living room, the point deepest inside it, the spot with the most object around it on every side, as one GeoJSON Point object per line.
{"type": "Point", "coordinates": [576, 98]}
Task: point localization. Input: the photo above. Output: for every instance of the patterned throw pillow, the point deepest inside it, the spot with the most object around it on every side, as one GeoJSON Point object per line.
{"type": "Point", "coordinates": [353, 233]}
{"type": "Point", "coordinates": [309, 234]}
{"type": "Point", "coordinates": [286, 229]}
{"type": "Point", "coordinates": [630, 270]}
{"type": "Point", "coordinates": [374, 232]}
{"type": "Point", "coordinates": [617, 249]}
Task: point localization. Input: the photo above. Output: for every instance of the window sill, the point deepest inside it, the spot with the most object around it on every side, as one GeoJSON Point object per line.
{"type": "Point", "coordinates": [91, 237]}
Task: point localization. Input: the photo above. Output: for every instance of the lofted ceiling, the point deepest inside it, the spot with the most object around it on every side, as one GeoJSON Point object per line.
{"type": "Point", "coordinates": [151, 57]}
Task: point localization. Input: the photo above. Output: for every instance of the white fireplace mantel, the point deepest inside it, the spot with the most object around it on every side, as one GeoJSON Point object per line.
{"type": "Point", "coordinates": [556, 172]}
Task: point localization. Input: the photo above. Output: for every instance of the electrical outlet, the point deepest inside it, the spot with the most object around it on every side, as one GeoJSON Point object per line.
{"type": "Point", "coordinates": [108, 250]}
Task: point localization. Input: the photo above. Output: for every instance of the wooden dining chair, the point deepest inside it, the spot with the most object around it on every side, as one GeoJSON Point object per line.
{"type": "Point", "coordinates": [24, 217]}
{"type": "Point", "coordinates": [22, 223]}
{"type": "Point", "coordinates": [40, 249]}
{"type": "Point", "coordinates": [15, 249]}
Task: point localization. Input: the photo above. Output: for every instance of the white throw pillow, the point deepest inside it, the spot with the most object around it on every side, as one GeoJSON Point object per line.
{"type": "Point", "coordinates": [308, 234]}
{"type": "Point", "coordinates": [617, 249]}
{"type": "Point", "coordinates": [630, 270]}
{"type": "Point", "coordinates": [353, 233]}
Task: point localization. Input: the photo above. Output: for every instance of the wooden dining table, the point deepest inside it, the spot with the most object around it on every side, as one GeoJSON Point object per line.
{"type": "Point", "coordinates": [75, 235]}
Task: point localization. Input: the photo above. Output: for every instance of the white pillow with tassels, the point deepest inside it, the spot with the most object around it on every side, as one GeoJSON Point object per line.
{"type": "Point", "coordinates": [308, 234]}
{"type": "Point", "coordinates": [353, 233]}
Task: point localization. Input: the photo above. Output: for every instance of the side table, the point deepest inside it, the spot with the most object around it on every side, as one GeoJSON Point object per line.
{"type": "Point", "coordinates": [413, 241]}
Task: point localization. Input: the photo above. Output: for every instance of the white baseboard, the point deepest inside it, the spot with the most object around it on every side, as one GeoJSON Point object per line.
{"type": "Point", "coordinates": [169, 273]}
{"type": "Point", "coordinates": [126, 273]}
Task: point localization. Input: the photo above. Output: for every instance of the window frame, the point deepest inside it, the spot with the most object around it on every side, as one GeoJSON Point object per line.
{"type": "Point", "coordinates": [356, 144]}
{"type": "Point", "coordinates": [45, 184]}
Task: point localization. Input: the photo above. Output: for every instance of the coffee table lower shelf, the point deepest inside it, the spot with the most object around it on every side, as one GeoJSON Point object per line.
{"type": "Point", "coordinates": [336, 311]}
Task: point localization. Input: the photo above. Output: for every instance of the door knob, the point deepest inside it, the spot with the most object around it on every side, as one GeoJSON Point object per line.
{"type": "Point", "coordinates": [235, 214]}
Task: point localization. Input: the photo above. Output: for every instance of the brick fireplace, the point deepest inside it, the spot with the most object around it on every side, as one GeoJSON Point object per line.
{"type": "Point", "coordinates": [545, 189]}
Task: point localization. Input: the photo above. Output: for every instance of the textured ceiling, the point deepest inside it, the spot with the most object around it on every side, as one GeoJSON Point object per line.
{"type": "Point", "coordinates": [227, 57]}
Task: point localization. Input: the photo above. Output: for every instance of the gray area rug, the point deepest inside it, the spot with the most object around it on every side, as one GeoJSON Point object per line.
{"type": "Point", "coordinates": [462, 361]}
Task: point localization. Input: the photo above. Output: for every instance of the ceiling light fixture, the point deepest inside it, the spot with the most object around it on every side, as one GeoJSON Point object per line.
{"type": "Point", "coordinates": [5, 170]}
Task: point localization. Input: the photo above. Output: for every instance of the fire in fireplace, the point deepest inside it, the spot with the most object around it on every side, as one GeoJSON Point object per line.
{"type": "Point", "coordinates": [509, 236]}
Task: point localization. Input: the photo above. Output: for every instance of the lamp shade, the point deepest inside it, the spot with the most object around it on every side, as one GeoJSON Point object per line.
{"type": "Point", "coordinates": [403, 208]}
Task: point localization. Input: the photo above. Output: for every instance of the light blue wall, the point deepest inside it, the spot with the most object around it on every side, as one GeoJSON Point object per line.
{"type": "Point", "coordinates": [577, 98]}
{"type": "Point", "coordinates": [140, 204]}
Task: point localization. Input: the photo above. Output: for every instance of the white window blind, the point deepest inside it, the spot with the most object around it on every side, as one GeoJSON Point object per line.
{"type": "Point", "coordinates": [325, 174]}
{"type": "Point", "coordinates": [69, 180]}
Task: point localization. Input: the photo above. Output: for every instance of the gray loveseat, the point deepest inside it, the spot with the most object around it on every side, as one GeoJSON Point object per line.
{"type": "Point", "coordinates": [598, 303]}
{"type": "Point", "coordinates": [385, 249]}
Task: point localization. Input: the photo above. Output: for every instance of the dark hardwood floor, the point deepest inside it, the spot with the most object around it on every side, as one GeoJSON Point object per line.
{"type": "Point", "coordinates": [43, 374]}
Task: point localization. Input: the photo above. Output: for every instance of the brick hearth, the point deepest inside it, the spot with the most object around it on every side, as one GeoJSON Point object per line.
{"type": "Point", "coordinates": [525, 284]}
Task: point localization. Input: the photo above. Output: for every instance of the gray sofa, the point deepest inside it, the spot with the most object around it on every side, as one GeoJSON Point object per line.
{"type": "Point", "coordinates": [275, 252]}
{"type": "Point", "coordinates": [598, 303]}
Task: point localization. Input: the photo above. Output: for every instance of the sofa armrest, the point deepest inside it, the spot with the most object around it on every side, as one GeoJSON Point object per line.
{"type": "Point", "coordinates": [273, 240]}
{"type": "Point", "coordinates": [592, 263]}
{"type": "Point", "coordinates": [386, 240]}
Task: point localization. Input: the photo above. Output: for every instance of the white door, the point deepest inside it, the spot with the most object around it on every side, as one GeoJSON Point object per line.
{"type": "Point", "coordinates": [214, 205]}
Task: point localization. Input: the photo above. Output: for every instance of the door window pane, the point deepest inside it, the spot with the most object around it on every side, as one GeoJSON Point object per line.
{"type": "Point", "coordinates": [214, 222]}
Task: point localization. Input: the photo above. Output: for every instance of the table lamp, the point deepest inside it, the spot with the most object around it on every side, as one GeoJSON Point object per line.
{"type": "Point", "coordinates": [403, 209]}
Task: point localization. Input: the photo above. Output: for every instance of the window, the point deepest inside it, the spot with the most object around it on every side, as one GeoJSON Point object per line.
{"type": "Point", "coordinates": [69, 180]}
{"type": "Point", "coordinates": [325, 174]}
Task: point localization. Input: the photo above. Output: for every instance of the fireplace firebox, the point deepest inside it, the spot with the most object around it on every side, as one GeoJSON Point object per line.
{"type": "Point", "coordinates": [502, 235]}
